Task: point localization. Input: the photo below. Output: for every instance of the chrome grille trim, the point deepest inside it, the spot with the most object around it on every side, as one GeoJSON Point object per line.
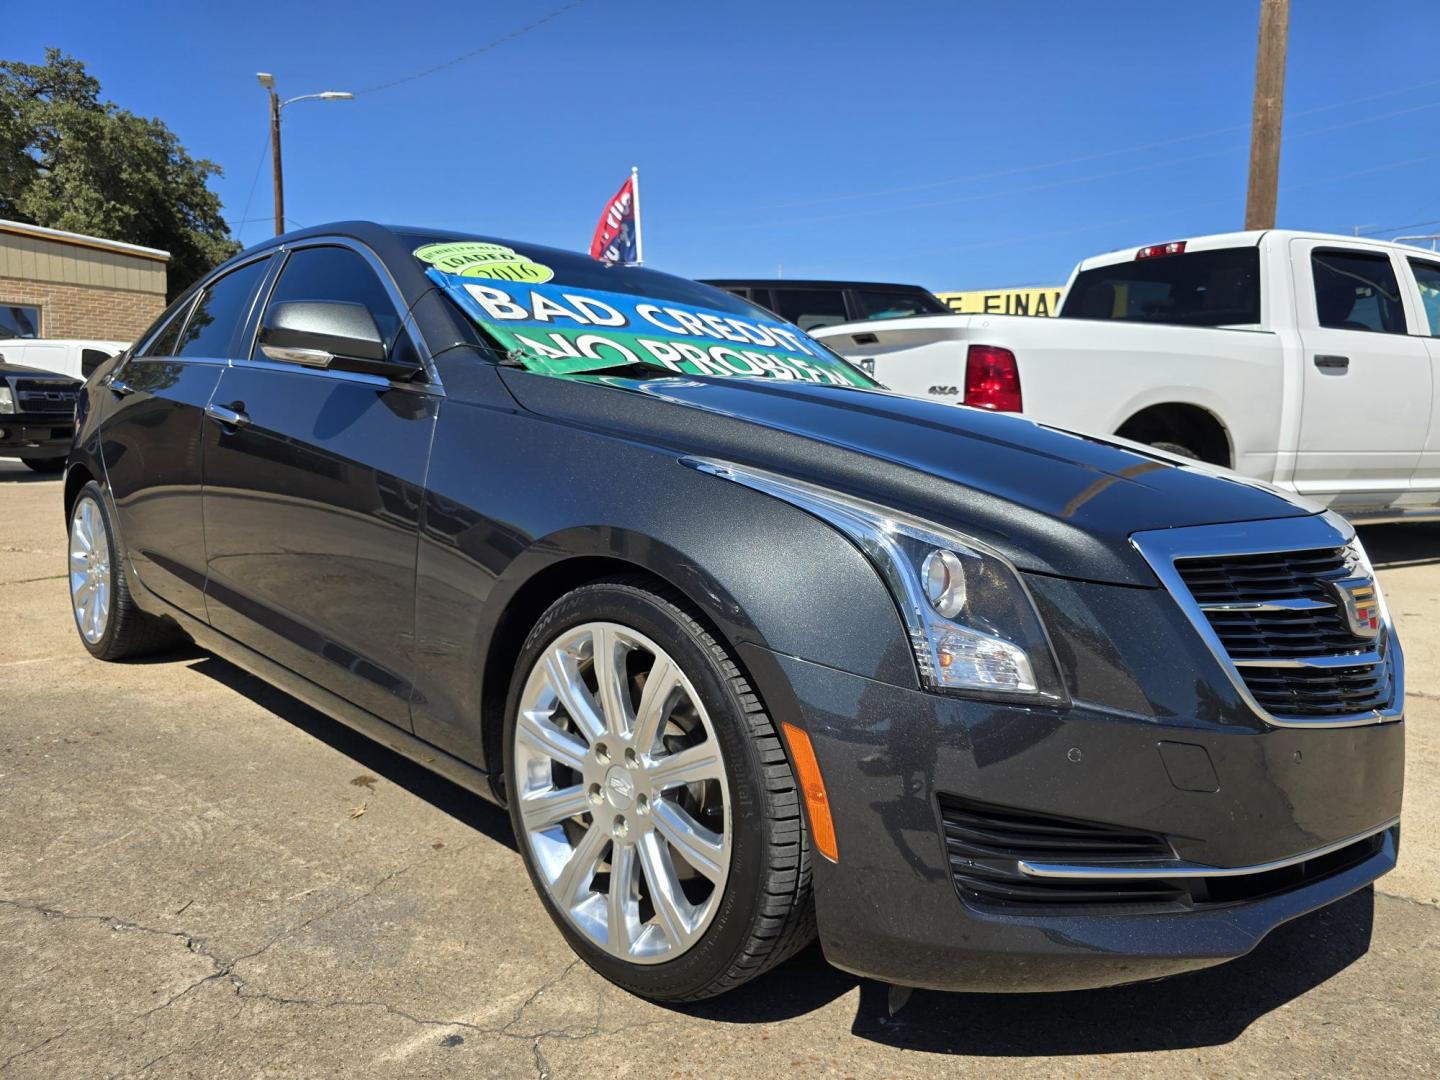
{"type": "Point", "coordinates": [1298, 604]}
{"type": "Point", "coordinates": [1180, 869]}
{"type": "Point", "coordinates": [1162, 548]}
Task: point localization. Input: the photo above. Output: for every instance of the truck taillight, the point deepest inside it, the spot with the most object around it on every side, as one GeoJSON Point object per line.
{"type": "Point", "coordinates": [1154, 251]}
{"type": "Point", "coordinates": [992, 379]}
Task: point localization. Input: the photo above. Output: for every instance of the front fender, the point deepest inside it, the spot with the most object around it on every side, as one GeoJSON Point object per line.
{"type": "Point", "coordinates": [510, 506]}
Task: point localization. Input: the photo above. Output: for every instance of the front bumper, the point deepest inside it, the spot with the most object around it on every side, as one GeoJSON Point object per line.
{"type": "Point", "coordinates": [891, 908]}
{"type": "Point", "coordinates": [35, 437]}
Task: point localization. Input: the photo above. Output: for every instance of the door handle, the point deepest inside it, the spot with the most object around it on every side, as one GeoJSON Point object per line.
{"type": "Point", "coordinates": [229, 417]}
{"type": "Point", "coordinates": [1337, 364]}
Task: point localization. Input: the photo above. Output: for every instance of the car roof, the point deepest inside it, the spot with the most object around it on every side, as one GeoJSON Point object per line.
{"type": "Point", "coordinates": [1249, 238]}
{"type": "Point", "coordinates": [395, 245]}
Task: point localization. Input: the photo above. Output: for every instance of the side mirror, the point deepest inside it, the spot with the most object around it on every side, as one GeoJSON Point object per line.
{"type": "Point", "coordinates": [329, 334]}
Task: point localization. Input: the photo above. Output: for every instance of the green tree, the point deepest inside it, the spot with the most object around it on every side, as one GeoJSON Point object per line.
{"type": "Point", "coordinates": [71, 161]}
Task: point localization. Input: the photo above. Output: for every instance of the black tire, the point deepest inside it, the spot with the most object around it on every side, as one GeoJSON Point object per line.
{"type": "Point", "coordinates": [45, 465]}
{"type": "Point", "coordinates": [129, 632]}
{"type": "Point", "coordinates": [766, 913]}
{"type": "Point", "coordinates": [1177, 449]}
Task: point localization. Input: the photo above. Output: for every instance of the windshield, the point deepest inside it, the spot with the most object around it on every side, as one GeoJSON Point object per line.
{"type": "Point", "coordinates": [559, 313]}
{"type": "Point", "coordinates": [1200, 288]}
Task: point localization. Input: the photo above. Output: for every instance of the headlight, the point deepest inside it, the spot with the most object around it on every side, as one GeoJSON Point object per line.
{"type": "Point", "coordinates": [7, 400]}
{"type": "Point", "coordinates": [972, 623]}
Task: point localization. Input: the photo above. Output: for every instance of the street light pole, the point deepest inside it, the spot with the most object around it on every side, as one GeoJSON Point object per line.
{"type": "Point", "coordinates": [268, 82]}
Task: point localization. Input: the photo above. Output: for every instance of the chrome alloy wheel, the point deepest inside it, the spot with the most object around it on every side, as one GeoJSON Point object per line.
{"type": "Point", "coordinates": [622, 792]}
{"type": "Point", "coordinates": [89, 570]}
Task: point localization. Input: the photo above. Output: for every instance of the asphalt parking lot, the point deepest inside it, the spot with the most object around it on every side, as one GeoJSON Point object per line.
{"type": "Point", "coordinates": [199, 876]}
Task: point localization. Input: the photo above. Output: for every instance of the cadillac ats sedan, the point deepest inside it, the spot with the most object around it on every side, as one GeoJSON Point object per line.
{"type": "Point", "coordinates": [752, 650]}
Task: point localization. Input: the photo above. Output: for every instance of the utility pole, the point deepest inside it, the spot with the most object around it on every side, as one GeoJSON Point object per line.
{"type": "Point", "coordinates": [277, 171]}
{"type": "Point", "coordinates": [268, 82]}
{"type": "Point", "coordinates": [1269, 111]}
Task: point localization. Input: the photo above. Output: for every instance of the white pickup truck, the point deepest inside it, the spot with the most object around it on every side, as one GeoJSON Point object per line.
{"type": "Point", "coordinates": [1305, 360]}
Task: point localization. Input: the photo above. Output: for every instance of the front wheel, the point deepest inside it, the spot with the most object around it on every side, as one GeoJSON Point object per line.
{"type": "Point", "coordinates": [656, 812]}
{"type": "Point", "coordinates": [111, 626]}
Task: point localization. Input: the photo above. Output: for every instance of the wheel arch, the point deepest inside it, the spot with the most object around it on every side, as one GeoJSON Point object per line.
{"type": "Point", "coordinates": [76, 477]}
{"type": "Point", "coordinates": [742, 608]}
{"type": "Point", "coordinates": [1190, 425]}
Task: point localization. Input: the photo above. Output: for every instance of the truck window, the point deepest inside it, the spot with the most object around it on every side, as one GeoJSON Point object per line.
{"type": "Point", "coordinates": [1427, 277]}
{"type": "Point", "coordinates": [811, 308]}
{"type": "Point", "coordinates": [1197, 288]}
{"type": "Point", "coordinates": [894, 304]}
{"type": "Point", "coordinates": [1356, 291]}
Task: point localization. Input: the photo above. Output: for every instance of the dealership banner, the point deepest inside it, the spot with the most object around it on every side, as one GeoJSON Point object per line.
{"type": "Point", "coordinates": [561, 330]}
{"type": "Point", "coordinates": [1040, 301]}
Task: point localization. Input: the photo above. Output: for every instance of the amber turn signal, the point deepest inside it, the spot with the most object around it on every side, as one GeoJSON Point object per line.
{"type": "Point", "coordinates": [822, 829]}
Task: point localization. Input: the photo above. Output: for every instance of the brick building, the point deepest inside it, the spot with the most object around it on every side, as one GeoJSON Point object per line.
{"type": "Point", "coordinates": [56, 284]}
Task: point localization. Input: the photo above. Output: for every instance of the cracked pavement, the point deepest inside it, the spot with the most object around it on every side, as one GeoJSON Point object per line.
{"type": "Point", "coordinates": [185, 892]}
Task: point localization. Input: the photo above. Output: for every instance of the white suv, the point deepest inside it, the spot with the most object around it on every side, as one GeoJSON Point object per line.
{"type": "Point", "coordinates": [76, 357]}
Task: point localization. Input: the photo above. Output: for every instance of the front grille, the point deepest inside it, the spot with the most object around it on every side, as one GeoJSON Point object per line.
{"type": "Point", "coordinates": [44, 396]}
{"type": "Point", "coordinates": [985, 844]}
{"type": "Point", "coordinates": [1280, 619]}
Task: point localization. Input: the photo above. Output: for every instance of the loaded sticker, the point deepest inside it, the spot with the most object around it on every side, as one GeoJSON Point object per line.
{"type": "Point", "coordinates": [484, 260]}
{"type": "Point", "coordinates": [559, 330]}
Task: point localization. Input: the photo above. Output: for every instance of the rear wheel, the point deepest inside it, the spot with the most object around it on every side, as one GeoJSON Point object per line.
{"type": "Point", "coordinates": [45, 465]}
{"type": "Point", "coordinates": [1177, 449]}
{"type": "Point", "coordinates": [655, 809]}
{"type": "Point", "coordinates": [111, 626]}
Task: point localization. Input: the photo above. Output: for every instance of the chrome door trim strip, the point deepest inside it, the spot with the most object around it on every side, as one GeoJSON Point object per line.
{"type": "Point", "coordinates": [1181, 869]}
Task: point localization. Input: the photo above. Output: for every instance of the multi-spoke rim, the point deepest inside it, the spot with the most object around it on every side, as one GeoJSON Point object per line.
{"type": "Point", "coordinates": [622, 792]}
{"type": "Point", "coordinates": [89, 570]}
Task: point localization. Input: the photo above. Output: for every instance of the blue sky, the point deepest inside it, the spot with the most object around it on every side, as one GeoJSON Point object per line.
{"type": "Point", "coordinates": [958, 145]}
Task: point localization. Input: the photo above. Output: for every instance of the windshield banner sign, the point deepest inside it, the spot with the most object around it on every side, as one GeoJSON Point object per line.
{"type": "Point", "coordinates": [559, 330]}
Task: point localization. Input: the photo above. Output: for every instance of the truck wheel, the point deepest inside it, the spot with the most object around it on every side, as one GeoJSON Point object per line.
{"type": "Point", "coordinates": [45, 465]}
{"type": "Point", "coordinates": [651, 797]}
{"type": "Point", "coordinates": [1177, 450]}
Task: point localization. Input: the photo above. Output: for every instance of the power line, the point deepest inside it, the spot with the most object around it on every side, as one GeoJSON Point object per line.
{"type": "Point", "coordinates": [1052, 184]}
{"type": "Point", "coordinates": [253, 180]}
{"type": "Point", "coordinates": [473, 52]}
{"type": "Point", "coordinates": [1079, 159]}
{"type": "Point", "coordinates": [1398, 228]}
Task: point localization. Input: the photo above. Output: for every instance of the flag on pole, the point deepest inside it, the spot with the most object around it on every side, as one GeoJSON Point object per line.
{"type": "Point", "coordinates": [617, 236]}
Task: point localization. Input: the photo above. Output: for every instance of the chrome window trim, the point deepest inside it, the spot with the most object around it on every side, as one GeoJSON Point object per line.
{"type": "Point", "coordinates": [1182, 869]}
{"type": "Point", "coordinates": [1328, 530]}
{"type": "Point", "coordinates": [433, 384]}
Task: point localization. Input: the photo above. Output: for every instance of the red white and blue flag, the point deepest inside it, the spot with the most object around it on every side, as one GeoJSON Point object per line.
{"type": "Point", "coordinates": [617, 236]}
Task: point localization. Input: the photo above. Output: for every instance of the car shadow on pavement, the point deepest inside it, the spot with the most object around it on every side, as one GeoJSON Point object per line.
{"type": "Point", "coordinates": [1204, 1008]}
{"type": "Point", "coordinates": [1391, 546]}
{"type": "Point", "coordinates": [23, 475]}
{"type": "Point", "coordinates": [447, 797]}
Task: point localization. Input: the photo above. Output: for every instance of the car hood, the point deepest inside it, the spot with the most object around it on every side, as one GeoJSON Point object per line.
{"type": "Point", "coordinates": [1052, 501]}
{"type": "Point", "coordinates": [24, 372]}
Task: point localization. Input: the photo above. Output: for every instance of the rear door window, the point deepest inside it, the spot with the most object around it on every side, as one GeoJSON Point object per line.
{"type": "Point", "coordinates": [897, 304]}
{"type": "Point", "coordinates": [1427, 279]}
{"type": "Point", "coordinates": [1357, 291]}
{"type": "Point", "coordinates": [210, 330]}
{"type": "Point", "coordinates": [1199, 288]}
{"type": "Point", "coordinates": [810, 308]}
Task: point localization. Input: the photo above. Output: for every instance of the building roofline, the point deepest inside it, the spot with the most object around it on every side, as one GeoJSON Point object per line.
{"type": "Point", "coordinates": [59, 236]}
